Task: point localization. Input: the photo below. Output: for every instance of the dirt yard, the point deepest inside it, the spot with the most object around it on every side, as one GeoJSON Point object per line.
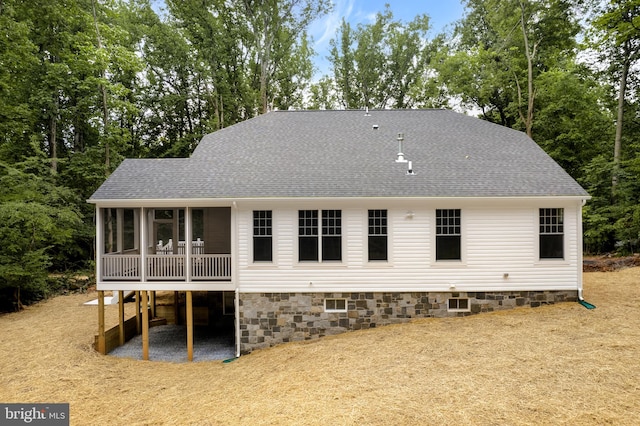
{"type": "Point", "coordinates": [560, 364]}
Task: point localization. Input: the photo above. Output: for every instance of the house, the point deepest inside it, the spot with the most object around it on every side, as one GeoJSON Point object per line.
{"type": "Point", "coordinates": [299, 224]}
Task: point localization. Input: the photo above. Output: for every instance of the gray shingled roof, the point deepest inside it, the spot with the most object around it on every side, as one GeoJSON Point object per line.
{"type": "Point", "coordinates": [340, 154]}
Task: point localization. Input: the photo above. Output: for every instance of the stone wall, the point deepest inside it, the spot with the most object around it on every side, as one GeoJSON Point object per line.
{"type": "Point", "coordinates": [268, 319]}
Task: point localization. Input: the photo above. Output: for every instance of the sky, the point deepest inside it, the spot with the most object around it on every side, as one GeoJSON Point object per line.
{"type": "Point", "coordinates": [443, 14]}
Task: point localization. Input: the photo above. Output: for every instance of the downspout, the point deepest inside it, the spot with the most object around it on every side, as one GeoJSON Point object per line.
{"type": "Point", "coordinates": [234, 272]}
{"type": "Point", "coordinates": [580, 259]}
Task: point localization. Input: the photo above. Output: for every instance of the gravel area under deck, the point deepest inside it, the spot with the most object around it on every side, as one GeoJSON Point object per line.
{"type": "Point", "coordinates": [169, 343]}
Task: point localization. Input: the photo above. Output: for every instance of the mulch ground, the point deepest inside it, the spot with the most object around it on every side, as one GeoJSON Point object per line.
{"type": "Point", "coordinates": [608, 263]}
{"type": "Point", "coordinates": [552, 365]}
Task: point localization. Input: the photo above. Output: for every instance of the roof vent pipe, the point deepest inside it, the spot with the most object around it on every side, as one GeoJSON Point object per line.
{"type": "Point", "coordinates": [366, 112]}
{"type": "Point", "coordinates": [400, 158]}
{"type": "Point", "coordinates": [410, 169]}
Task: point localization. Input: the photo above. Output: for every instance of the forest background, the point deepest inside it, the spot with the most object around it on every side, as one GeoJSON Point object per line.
{"type": "Point", "coordinates": [87, 83]}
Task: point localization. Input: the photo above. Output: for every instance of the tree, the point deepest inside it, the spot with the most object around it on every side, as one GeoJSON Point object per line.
{"type": "Point", "coordinates": [618, 29]}
{"type": "Point", "coordinates": [509, 44]}
{"type": "Point", "coordinates": [383, 64]}
{"type": "Point", "coordinates": [274, 27]}
{"type": "Point", "coordinates": [36, 219]}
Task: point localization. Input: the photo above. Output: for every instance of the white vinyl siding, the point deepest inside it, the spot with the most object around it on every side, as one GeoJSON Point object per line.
{"type": "Point", "coordinates": [499, 242]}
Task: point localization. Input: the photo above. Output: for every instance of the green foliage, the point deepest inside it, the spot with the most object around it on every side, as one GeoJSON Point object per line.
{"type": "Point", "coordinates": [572, 124]}
{"type": "Point", "coordinates": [80, 91]}
{"type": "Point", "coordinates": [36, 220]}
{"type": "Point", "coordinates": [385, 64]}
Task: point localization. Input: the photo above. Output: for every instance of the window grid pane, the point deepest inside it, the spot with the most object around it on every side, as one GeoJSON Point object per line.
{"type": "Point", "coordinates": [331, 222]}
{"type": "Point", "coordinates": [447, 222]}
{"type": "Point", "coordinates": [307, 222]}
{"type": "Point", "coordinates": [551, 221]}
{"type": "Point", "coordinates": [377, 222]}
{"type": "Point", "coordinates": [262, 223]}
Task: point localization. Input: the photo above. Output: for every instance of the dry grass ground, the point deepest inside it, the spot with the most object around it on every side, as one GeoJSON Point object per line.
{"type": "Point", "coordinates": [560, 364]}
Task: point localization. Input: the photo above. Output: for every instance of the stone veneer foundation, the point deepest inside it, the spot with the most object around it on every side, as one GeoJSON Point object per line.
{"type": "Point", "coordinates": [268, 319]}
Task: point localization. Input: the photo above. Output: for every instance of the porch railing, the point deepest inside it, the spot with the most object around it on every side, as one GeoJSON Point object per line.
{"type": "Point", "coordinates": [166, 267]}
{"type": "Point", "coordinates": [211, 266]}
{"type": "Point", "coordinates": [121, 267]}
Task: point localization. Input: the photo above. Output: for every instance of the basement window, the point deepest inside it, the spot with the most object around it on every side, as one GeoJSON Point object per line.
{"type": "Point", "coordinates": [458, 305]}
{"type": "Point", "coordinates": [335, 305]}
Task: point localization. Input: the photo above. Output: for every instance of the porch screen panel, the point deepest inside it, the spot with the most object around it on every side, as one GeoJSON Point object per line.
{"type": "Point", "coordinates": [262, 236]}
{"type": "Point", "coordinates": [110, 230]}
{"type": "Point", "coordinates": [197, 231]}
{"type": "Point", "coordinates": [130, 236]}
{"type": "Point", "coordinates": [307, 235]}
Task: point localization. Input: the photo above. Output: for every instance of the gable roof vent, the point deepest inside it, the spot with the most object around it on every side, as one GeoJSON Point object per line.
{"type": "Point", "coordinates": [400, 158]}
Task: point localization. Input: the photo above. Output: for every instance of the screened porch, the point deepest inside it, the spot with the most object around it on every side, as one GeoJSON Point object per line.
{"type": "Point", "coordinates": [164, 244]}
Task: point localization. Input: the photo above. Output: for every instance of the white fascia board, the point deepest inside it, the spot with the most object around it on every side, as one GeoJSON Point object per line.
{"type": "Point", "coordinates": [343, 201]}
{"type": "Point", "coordinates": [163, 202]}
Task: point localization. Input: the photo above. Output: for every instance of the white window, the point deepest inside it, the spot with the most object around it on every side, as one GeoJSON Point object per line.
{"type": "Point", "coordinates": [377, 235]}
{"type": "Point", "coordinates": [262, 236]}
{"type": "Point", "coordinates": [329, 247]}
{"type": "Point", "coordinates": [335, 305]}
{"type": "Point", "coordinates": [551, 233]}
{"type": "Point", "coordinates": [448, 232]}
{"type": "Point", "coordinates": [458, 304]}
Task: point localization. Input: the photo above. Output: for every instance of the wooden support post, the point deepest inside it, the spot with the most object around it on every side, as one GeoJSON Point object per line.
{"type": "Point", "coordinates": [102, 342]}
{"type": "Point", "coordinates": [145, 327]}
{"type": "Point", "coordinates": [138, 319]}
{"type": "Point", "coordinates": [189, 326]}
{"type": "Point", "coordinates": [153, 304]}
{"type": "Point", "coordinates": [121, 316]}
{"type": "Point", "coordinates": [176, 307]}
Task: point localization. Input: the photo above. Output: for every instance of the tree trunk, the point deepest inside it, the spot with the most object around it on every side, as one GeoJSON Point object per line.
{"type": "Point", "coordinates": [530, 55]}
{"type": "Point", "coordinates": [16, 297]}
{"type": "Point", "coordinates": [103, 90]}
{"type": "Point", "coordinates": [53, 132]}
{"type": "Point", "coordinates": [617, 145]}
{"type": "Point", "coordinates": [263, 87]}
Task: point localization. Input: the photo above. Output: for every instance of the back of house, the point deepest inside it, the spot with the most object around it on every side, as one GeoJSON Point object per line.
{"type": "Point", "coordinates": [300, 224]}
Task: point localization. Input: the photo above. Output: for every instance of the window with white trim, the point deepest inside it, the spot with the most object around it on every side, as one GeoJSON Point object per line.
{"type": "Point", "coordinates": [335, 305]}
{"type": "Point", "coordinates": [310, 246]}
{"type": "Point", "coordinates": [448, 234]}
{"type": "Point", "coordinates": [551, 233]}
{"type": "Point", "coordinates": [457, 304]}
{"type": "Point", "coordinates": [262, 236]}
{"type": "Point", "coordinates": [331, 235]}
{"type": "Point", "coordinates": [377, 235]}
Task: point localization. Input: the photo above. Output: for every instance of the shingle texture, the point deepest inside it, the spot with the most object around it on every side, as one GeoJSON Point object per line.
{"type": "Point", "coordinates": [349, 154]}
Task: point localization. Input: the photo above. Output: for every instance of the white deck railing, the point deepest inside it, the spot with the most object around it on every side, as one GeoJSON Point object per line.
{"type": "Point", "coordinates": [197, 247]}
{"type": "Point", "coordinates": [121, 267]}
{"type": "Point", "coordinates": [211, 266]}
{"type": "Point", "coordinates": [166, 267]}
